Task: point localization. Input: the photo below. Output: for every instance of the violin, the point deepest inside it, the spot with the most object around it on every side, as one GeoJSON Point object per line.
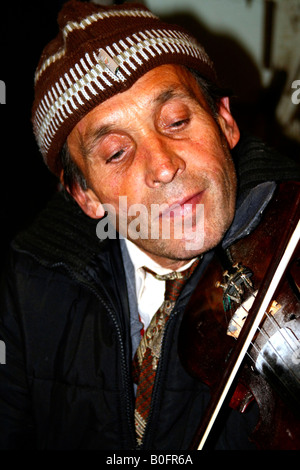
{"type": "Point", "coordinates": [240, 332]}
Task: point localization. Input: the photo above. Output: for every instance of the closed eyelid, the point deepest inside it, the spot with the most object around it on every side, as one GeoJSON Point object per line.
{"type": "Point", "coordinates": [90, 141]}
{"type": "Point", "coordinates": [181, 105]}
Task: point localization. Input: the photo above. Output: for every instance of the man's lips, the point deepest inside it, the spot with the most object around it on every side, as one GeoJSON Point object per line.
{"type": "Point", "coordinates": [184, 206]}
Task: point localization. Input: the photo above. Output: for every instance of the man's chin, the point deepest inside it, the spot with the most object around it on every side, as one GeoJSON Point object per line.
{"type": "Point", "coordinates": [176, 250]}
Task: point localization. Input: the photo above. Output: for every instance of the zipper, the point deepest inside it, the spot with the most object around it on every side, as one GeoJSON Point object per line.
{"type": "Point", "coordinates": [110, 310]}
{"type": "Point", "coordinates": [124, 367]}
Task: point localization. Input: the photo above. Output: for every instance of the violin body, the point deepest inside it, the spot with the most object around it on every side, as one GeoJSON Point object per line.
{"type": "Point", "coordinates": [270, 373]}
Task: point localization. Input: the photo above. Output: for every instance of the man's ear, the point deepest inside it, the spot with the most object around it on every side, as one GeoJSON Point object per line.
{"type": "Point", "coordinates": [228, 123]}
{"type": "Point", "coordinates": [86, 199]}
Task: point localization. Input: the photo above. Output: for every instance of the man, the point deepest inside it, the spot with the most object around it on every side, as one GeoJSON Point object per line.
{"type": "Point", "coordinates": [128, 115]}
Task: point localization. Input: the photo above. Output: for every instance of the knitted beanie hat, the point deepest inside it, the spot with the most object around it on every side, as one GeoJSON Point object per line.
{"type": "Point", "coordinates": [99, 52]}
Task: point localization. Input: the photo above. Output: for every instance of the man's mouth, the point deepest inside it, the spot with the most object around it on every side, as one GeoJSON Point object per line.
{"type": "Point", "coordinates": [183, 207]}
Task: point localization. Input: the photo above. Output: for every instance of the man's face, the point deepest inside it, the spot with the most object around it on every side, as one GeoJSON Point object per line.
{"type": "Point", "coordinates": [157, 144]}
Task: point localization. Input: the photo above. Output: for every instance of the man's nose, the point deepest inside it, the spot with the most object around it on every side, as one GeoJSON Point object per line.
{"type": "Point", "coordinates": [162, 162]}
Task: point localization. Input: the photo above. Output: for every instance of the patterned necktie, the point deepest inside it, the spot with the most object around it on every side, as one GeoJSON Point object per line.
{"type": "Point", "coordinates": [147, 355]}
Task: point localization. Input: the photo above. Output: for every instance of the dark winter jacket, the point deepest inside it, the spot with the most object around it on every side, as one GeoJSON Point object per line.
{"type": "Point", "coordinates": [65, 321]}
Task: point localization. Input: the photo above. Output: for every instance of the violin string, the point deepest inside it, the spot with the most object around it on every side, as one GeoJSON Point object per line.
{"type": "Point", "coordinates": [272, 319]}
{"type": "Point", "coordinates": [266, 335]}
{"type": "Point", "coordinates": [253, 360]}
{"type": "Point", "coordinates": [253, 293]}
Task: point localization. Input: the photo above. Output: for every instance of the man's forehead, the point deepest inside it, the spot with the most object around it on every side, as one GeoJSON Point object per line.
{"type": "Point", "coordinates": [153, 89]}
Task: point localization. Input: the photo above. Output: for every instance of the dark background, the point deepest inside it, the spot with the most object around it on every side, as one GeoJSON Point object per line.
{"type": "Point", "coordinates": [26, 27]}
{"type": "Point", "coordinates": [26, 183]}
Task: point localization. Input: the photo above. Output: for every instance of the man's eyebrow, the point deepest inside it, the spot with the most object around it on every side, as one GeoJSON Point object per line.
{"type": "Point", "coordinates": [92, 137]}
{"type": "Point", "coordinates": [176, 91]}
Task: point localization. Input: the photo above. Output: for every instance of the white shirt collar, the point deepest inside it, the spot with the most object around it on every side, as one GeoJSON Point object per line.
{"type": "Point", "coordinates": [139, 259]}
{"type": "Point", "coordinates": [149, 290]}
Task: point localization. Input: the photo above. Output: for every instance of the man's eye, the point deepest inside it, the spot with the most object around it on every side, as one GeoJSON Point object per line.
{"type": "Point", "coordinates": [180, 123]}
{"type": "Point", "coordinates": [115, 156]}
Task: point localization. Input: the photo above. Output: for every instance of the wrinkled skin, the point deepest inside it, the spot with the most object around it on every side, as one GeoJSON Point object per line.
{"type": "Point", "coordinates": [158, 143]}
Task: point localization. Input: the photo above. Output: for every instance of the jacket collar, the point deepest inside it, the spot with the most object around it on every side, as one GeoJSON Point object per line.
{"type": "Point", "coordinates": [249, 209]}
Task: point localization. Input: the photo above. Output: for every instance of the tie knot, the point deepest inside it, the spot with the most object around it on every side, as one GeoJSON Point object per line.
{"type": "Point", "coordinates": [167, 277]}
{"type": "Point", "coordinates": [174, 280]}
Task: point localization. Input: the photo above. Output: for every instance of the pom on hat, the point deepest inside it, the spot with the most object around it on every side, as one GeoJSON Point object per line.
{"type": "Point", "coordinates": [99, 52]}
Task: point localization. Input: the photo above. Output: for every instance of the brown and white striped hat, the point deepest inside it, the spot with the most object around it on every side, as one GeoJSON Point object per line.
{"type": "Point", "coordinates": [99, 52]}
